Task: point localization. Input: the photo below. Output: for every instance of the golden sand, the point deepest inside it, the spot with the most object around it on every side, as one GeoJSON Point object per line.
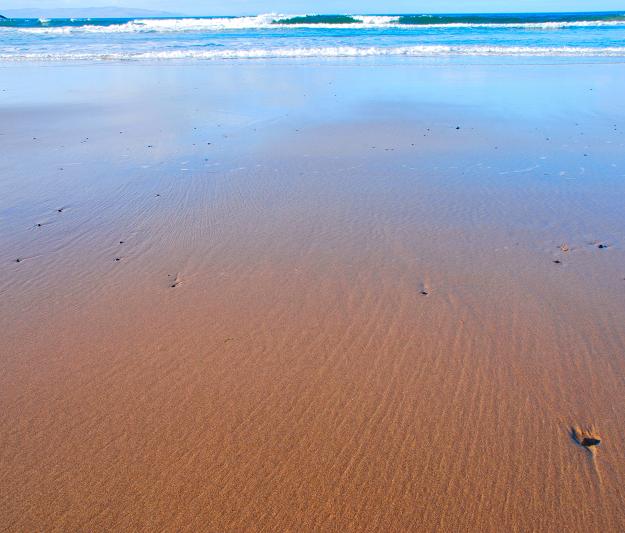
{"type": "Point", "coordinates": [315, 334]}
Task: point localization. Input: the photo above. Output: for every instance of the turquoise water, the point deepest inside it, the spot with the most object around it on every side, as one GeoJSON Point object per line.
{"type": "Point", "coordinates": [273, 35]}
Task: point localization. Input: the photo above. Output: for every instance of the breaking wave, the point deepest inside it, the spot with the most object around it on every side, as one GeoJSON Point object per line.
{"type": "Point", "coordinates": [272, 20]}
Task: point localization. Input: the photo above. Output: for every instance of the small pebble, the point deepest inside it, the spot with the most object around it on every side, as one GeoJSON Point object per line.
{"type": "Point", "coordinates": [590, 441]}
{"type": "Point", "coordinates": [586, 437]}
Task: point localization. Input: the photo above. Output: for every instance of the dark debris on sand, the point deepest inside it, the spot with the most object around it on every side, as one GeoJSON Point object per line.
{"type": "Point", "coordinates": [588, 438]}
{"type": "Point", "coordinates": [590, 441]}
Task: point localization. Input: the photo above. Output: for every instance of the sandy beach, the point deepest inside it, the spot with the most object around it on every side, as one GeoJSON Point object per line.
{"type": "Point", "coordinates": [312, 295]}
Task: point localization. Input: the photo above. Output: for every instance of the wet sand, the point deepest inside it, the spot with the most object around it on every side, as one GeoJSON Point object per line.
{"type": "Point", "coordinates": [296, 296]}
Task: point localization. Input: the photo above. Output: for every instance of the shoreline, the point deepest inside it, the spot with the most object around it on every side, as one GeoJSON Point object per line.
{"type": "Point", "coordinates": [440, 61]}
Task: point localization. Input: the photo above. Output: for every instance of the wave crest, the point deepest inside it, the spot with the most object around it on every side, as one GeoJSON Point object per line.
{"type": "Point", "coordinates": [273, 20]}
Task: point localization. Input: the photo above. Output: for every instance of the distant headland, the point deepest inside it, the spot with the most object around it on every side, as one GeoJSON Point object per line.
{"type": "Point", "coordinates": [85, 12]}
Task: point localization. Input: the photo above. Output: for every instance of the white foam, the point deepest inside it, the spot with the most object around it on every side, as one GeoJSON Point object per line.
{"type": "Point", "coordinates": [368, 20]}
{"type": "Point", "coordinates": [336, 51]}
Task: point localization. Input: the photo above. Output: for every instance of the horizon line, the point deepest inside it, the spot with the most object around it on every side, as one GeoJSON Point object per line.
{"type": "Point", "coordinates": [257, 14]}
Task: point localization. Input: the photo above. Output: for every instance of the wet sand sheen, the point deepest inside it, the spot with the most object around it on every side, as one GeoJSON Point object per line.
{"type": "Point", "coordinates": [350, 321]}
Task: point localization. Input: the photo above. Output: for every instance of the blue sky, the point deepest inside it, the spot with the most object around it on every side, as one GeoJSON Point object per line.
{"type": "Point", "coordinates": [236, 7]}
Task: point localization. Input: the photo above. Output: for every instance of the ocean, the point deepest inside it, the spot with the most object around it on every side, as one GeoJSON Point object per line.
{"type": "Point", "coordinates": [291, 36]}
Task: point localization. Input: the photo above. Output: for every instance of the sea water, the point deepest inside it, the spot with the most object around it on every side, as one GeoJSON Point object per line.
{"type": "Point", "coordinates": [292, 36]}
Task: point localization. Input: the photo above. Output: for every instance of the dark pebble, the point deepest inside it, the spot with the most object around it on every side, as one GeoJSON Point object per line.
{"type": "Point", "coordinates": [590, 441]}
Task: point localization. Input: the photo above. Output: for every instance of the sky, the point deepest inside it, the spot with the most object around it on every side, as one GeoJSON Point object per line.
{"type": "Point", "coordinates": [245, 7]}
